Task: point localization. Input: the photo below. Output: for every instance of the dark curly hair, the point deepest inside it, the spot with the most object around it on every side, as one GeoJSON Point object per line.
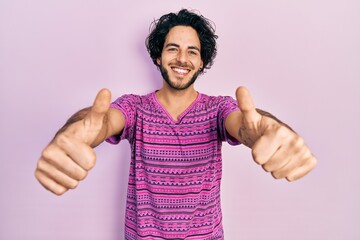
{"type": "Point", "coordinates": [203, 26]}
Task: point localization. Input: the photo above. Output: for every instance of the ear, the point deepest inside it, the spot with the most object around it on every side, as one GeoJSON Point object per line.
{"type": "Point", "coordinates": [158, 61]}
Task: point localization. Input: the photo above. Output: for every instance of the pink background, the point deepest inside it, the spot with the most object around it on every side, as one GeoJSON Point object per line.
{"type": "Point", "coordinates": [300, 60]}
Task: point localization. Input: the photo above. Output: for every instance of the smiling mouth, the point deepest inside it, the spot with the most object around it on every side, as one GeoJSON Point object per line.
{"type": "Point", "coordinates": [180, 71]}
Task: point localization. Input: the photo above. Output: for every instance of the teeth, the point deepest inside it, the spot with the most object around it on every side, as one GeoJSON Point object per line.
{"type": "Point", "coordinates": [181, 71]}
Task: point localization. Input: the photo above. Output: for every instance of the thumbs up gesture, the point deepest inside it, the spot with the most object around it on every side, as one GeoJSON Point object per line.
{"type": "Point", "coordinates": [69, 156]}
{"type": "Point", "coordinates": [274, 145]}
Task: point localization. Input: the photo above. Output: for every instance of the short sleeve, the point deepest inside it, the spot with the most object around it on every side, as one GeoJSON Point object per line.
{"type": "Point", "coordinates": [226, 106]}
{"type": "Point", "coordinates": [127, 105]}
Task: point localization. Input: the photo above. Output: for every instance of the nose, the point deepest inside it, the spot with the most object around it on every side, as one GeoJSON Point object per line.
{"type": "Point", "coordinates": [182, 57]}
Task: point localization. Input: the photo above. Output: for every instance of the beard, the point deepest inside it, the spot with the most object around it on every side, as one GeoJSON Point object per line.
{"type": "Point", "coordinates": [165, 75]}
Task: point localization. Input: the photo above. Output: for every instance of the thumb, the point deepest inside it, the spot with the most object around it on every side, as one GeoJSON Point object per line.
{"type": "Point", "coordinates": [99, 109]}
{"type": "Point", "coordinates": [246, 105]}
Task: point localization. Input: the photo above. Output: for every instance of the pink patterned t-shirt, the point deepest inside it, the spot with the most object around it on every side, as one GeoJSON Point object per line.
{"type": "Point", "coordinates": [176, 167]}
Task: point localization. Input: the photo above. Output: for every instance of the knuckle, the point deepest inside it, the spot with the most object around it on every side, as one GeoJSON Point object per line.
{"type": "Point", "coordinates": [49, 184]}
{"type": "Point", "coordinates": [41, 165]}
{"type": "Point", "coordinates": [290, 178]}
{"type": "Point", "coordinates": [298, 142]}
{"type": "Point", "coordinates": [312, 162]}
{"type": "Point", "coordinates": [61, 139]}
{"type": "Point", "coordinates": [275, 175]}
{"type": "Point", "coordinates": [279, 174]}
{"type": "Point", "coordinates": [60, 190]}
{"type": "Point", "coordinates": [257, 160]}
{"type": "Point", "coordinates": [256, 157]}
{"type": "Point", "coordinates": [90, 163]}
{"type": "Point", "coordinates": [46, 153]}
{"type": "Point", "coordinates": [82, 175]}
{"type": "Point", "coordinates": [51, 154]}
{"type": "Point", "coordinates": [73, 184]}
{"type": "Point", "coordinates": [266, 167]}
{"type": "Point", "coordinates": [37, 175]}
{"type": "Point", "coordinates": [283, 131]}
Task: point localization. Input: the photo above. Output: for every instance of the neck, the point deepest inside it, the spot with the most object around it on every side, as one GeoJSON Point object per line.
{"type": "Point", "coordinates": [170, 96]}
{"type": "Point", "coordinates": [176, 101]}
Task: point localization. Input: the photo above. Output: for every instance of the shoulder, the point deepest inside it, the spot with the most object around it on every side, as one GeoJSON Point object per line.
{"type": "Point", "coordinates": [134, 99]}
{"type": "Point", "coordinates": [215, 100]}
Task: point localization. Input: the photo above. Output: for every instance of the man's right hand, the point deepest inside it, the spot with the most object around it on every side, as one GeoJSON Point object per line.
{"type": "Point", "coordinates": [70, 155]}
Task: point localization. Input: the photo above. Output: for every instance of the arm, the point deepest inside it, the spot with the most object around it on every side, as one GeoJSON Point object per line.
{"type": "Point", "coordinates": [234, 123]}
{"type": "Point", "coordinates": [69, 156]}
{"type": "Point", "coordinates": [113, 124]}
{"type": "Point", "coordinates": [275, 146]}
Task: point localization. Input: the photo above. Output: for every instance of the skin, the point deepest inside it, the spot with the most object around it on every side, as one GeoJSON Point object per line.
{"type": "Point", "coordinates": [276, 147]}
{"type": "Point", "coordinates": [181, 60]}
{"type": "Point", "coordinates": [67, 159]}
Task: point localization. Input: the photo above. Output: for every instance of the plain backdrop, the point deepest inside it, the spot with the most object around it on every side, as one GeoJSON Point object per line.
{"type": "Point", "coordinates": [299, 59]}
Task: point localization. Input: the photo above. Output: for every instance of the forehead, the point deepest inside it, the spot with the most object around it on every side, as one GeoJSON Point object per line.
{"type": "Point", "coordinates": [183, 35]}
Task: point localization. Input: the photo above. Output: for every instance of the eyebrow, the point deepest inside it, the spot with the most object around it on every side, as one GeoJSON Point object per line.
{"type": "Point", "coordinates": [177, 45]}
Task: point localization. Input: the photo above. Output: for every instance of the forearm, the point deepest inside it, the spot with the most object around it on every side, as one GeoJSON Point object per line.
{"type": "Point", "coordinates": [267, 114]}
{"type": "Point", "coordinates": [234, 122]}
{"type": "Point", "coordinates": [67, 159]}
{"type": "Point", "coordinates": [113, 123]}
{"type": "Point", "coordinates": [80, 115]}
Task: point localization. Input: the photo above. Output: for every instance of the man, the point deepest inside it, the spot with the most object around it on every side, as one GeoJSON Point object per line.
{"type": "Point", "coordinates": [175, 135]}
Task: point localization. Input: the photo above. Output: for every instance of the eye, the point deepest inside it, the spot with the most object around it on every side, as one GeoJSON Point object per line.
{"type": "Point", "coordinates": [192, 53]}
{"type": "Point", "coordinates": [172, 49]}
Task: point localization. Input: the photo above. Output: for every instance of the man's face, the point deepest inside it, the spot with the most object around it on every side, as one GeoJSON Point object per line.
{"type": "Point", "coordinates": [180, 60]}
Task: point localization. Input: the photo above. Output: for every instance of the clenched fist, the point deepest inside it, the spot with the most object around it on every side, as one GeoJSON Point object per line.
{"type": "Point", "coordinates": [70, 155]}
{"type": "Point", "coordinates": [274, 145]}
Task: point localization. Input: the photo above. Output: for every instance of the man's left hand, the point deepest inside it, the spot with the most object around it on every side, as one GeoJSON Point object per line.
{"type": "Point", "coordinates": [274, 145]}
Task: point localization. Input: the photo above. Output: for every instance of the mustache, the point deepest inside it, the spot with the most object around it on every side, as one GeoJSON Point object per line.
{"type": "Point", "coordinates": [183, 65]}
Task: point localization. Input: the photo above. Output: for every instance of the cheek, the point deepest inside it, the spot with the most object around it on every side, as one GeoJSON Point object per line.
{"type": "Point", "coordinates": [199, 63]}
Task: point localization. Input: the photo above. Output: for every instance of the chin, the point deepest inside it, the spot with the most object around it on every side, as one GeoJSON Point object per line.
{"type": "Point", "coordinates": [173, 85]}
